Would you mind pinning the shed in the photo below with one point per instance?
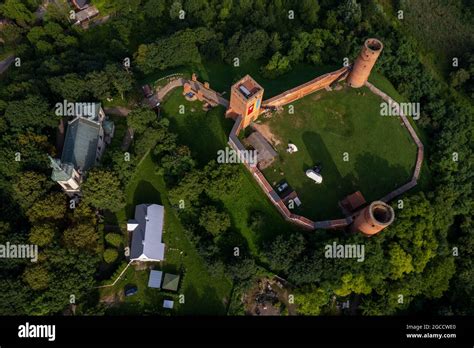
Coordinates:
(168, 304)
(171, 282)
(353, 201)
(265, 152)
(155, 279)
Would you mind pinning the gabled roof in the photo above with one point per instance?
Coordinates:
(148, 231)
(80, 146)
(86, 14)
(80, 4)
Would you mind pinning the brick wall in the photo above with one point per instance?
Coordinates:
(309, 87)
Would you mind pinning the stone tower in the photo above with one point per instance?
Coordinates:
(373, 218)
(364, 63)
(245, 100)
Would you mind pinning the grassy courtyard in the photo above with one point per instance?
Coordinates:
(326, 127)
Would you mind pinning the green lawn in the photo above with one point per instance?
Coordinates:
(204, 132)
(207, 132)
(383, 84)
(324, 126)
(204, 293)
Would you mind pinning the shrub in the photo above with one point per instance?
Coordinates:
(110, 255)
(114, 239)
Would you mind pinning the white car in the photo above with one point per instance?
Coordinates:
(317, 178)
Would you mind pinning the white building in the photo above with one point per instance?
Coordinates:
(147, 231)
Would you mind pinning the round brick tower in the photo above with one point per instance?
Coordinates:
(373, 218)
(364, 63)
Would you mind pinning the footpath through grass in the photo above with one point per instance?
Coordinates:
(205, 293)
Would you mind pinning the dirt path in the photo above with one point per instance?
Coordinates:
(265, 130)
(117, 111)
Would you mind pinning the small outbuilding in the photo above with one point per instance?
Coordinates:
(155, 279)
(86, 14)
(171, 282)
(265, 152)
(352, 202)
(168, 304)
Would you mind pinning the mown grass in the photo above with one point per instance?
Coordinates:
(383, 84)
(205, 293)
(327, 125)
(206, 133)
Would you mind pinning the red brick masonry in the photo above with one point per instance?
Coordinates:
(285, 98)
(295, 94)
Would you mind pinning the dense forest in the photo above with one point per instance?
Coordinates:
(426, 255)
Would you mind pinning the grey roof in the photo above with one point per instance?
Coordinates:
(265, 151)
(64, 174)
(155, 279)
(61, 171)
(168, 304)
(80, 146)
(87, 13)
(108, 126)
(81, 3)
(171, 282)
(146, 239)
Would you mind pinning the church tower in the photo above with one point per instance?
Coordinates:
(66, 176)
(245, 100)
(364, 63)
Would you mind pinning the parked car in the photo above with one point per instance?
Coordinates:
(282, 187)
(147, 91)
(131, 291)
